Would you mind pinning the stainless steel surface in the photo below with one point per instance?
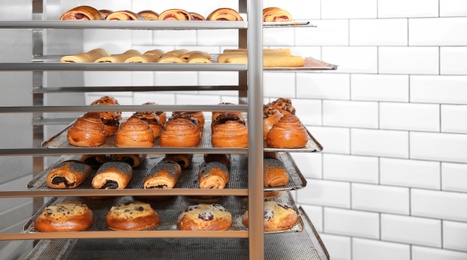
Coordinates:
(89, 89)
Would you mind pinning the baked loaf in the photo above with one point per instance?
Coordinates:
(111, 119)
(89, 56)
(180, 131)
(229, 130)
(122, 57)
(289, 132)
(224, 14)
(132, 215)
(87, 131)
(124, 15)
(277, 216)
(94, 160)
(222, 158)
(134, 160)
(197, 16)
(64, 217)
(276, 14)
(284, 105)
(270, 117)
(81, 13)
(68, 175)
(112, 175)
(184, 160)
(149, 15)
(213, 175)
(205, 217)
(134, 133)
(175, 14)
(275, 173)
(164, 175)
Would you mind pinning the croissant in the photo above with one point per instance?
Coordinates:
(184, 160)
(229, 130)
(180, 132)
(224, 14)
(152, 119)
(149, 15)
(134, 133)
(111, 119)
(276, 14)
(87, 131)
(222, 158)
(89, 56)
(274, 173)
(81, 13)
(289, 132)
(118, 57)
(124, 15)
(213, 175)
(68, 174)
(175, 14)
(163, 175)
(134, 160)
(197, 16)
(112, 175)
(94, 160)
(270, 117)
(284, 105)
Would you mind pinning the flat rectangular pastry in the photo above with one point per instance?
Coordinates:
(118, 57)
(112, 175)
(163, 175)
(269, 60)
(68, 174)
(89, 56)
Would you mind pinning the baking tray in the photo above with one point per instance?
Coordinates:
(189, 177)
(168, 209)
(306, 245)
(59, 140)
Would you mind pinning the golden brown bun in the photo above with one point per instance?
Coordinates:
(224, 14)
(229, 130)
(152, 119)
(270, 117)
(173, 56)
(122, 57)
(111, 119)
(213, 175)
(133, 215)
(134, 133)
(196, 57)
(184, 160)
(134, 160)
(196, 114)
(68, 175)
(89, 56)
(149, 15)
(180, 132)
(81, 13)
(197, 16)
(164, 175)
(276, 14)
(87, 131)
(289, 132)
(105, 13)
(94, 160)
(222, 158)
(205, 217)
(274, 173)
(112, 176)
(54, 219)
(124, 15)
(175, 14)
(277, 216)
(284, 105)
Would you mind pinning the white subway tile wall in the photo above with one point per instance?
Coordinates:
(390, 182)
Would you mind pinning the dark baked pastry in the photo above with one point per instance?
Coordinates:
(213, 175)
(87, 131)
(132, 215)
(184, 160)
(284, 105)
(275, 173)
(64, 217)
(94, 160)
(68, 174)
(134, 160)
(270, 117)
(112, 175)
(222, 158)
(205, 217)
(277, 216)
(163, 175)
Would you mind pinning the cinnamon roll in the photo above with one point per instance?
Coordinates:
(134, 133)
(87, 131)
(110, 119)
(289, 132)
(229, 130)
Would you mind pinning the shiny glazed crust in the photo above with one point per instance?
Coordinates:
(89, 56)
(112, 175)
(134, 133)
(289, 132)
(87, 131)
(270, 117)
(224, 14)
(118, 57)
(205, 217)
(274, 173)
(284, 105)
(276, 14)
(213, 175)
(163, 175)
(133, 215)
(64, 216)
(175, 14)
(228, 130)
(277, 216)
(124, 15)
(152, 119)
(111, 119)
(68, 175)
(81, 13)
(149, 15)
(184, 160)
(197, 16)
(180, 132)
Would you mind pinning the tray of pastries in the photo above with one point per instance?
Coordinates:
(110, 214)
(171, 171)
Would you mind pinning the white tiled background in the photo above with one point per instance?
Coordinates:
(392, 180)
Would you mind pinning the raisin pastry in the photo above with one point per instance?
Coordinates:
(110, 119)
(270, 117)
(205, 217)
(277, 216)
(132, 215)
(64, 217)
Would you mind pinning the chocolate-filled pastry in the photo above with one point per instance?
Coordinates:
(173, 56)
(289, 132)
(81, 13)
(270, 117)
(134, 133)
(87, 131)
(132, 215)
(180, 132)
(229, 130)
(224, 14)
(89, 56)
(215, 114)
(274, 173)
(118, 57)
(124, 15)
(284, 105)
(149, 15)
(64, 217)
(94, 160)
(134, 160)
(175, 14)
(222, 158)
(110, 119)
(164, 175)
(197, 16)
(148, 56)
(205, 217)
(184, 160)
(276, 14)
(213, 175)
(112, 175)
(277, 216)
(68, 174)
(152, 119)
(105, 13)
(196, 57)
